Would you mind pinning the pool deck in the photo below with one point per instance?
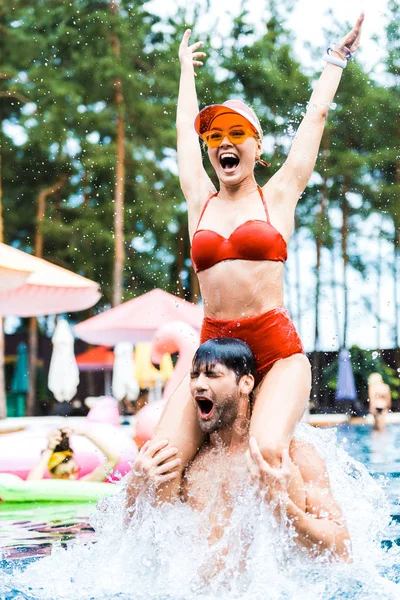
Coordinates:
(14, 424)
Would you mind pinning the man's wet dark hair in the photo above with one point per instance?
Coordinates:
(233, 353)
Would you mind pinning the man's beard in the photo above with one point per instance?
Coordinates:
(225, 414)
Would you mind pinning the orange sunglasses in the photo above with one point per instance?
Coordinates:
(236, 135)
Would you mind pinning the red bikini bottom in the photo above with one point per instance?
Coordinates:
(271, 336)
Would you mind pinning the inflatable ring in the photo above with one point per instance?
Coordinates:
(15, 489)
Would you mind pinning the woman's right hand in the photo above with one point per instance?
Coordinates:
(155, 463)
(188, 55)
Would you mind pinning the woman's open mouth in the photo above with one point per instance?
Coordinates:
(229, 162)
(206, 407)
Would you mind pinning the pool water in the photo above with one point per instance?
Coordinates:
(29, 532)
(379, 452)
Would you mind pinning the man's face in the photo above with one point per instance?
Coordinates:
(216, 394)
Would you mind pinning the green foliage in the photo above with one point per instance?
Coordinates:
(59, 71)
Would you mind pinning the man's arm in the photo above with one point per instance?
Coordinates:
(320, 527)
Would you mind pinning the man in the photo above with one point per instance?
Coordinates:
(221, 385)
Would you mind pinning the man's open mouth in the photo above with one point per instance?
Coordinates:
(229, 161)
(206, 407)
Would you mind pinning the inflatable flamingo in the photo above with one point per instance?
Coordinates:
(176, 336)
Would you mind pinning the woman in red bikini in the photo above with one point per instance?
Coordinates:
(239, 237)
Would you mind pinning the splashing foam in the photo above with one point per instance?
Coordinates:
(164, 556)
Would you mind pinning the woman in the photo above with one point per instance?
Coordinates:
(380, 400)
(239, 237)
(58, 458)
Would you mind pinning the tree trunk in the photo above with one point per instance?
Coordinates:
(119, 192)
(33, 325)
(378, 292)
(3, 397)
(319, 243)
(316, 376)
(335, 303)
(33, 358)
(319, 240)
(297, 271)
(180, 260)
(396, 223)
(345, 259)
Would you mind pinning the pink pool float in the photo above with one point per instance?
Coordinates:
(20, 451)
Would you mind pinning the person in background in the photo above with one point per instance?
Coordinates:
(58, 458)
(380, 400)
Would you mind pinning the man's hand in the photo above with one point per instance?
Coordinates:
(188, 55)
(273, 483)
(155, 463)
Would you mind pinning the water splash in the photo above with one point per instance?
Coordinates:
(164, 556)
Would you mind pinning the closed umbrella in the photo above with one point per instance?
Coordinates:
(346, 387)
(63, 373)
(124, 383)
(20, 381)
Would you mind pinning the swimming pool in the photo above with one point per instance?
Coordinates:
(28, 533)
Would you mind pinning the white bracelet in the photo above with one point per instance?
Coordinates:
(335, 61)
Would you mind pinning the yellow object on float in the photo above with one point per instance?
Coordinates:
(146, 374)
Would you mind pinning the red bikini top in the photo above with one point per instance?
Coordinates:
(253, 240)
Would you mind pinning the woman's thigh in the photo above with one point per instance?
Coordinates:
(179, 425)
(280, 401)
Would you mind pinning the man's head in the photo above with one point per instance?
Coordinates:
(221, 379)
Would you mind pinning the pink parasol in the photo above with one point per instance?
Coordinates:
(137, 320)
(100, 358)
(34, 287)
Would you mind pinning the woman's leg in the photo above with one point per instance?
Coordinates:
(280, 401)
(179, 425)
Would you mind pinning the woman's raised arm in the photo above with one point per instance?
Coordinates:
(297, 169)
(194, 180)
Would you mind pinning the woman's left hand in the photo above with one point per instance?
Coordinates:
(273, 483)
(351, 41)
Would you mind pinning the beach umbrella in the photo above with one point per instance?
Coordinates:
(12, 278)
(346, 387)
(20, 381)
(100, 358)
(137, 320)
(124, 383)
(63, 372)
(35, 287)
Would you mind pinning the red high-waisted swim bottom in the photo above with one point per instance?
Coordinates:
(271, 336)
